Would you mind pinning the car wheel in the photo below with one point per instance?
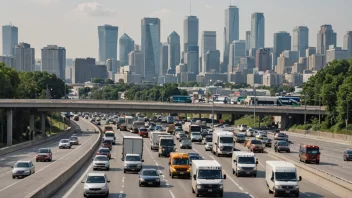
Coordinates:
(107, 194)
(36, 160)
(288, 151)
(124, 171)
(13, 177)
(221, 194)
(107, 169)
(84, 195)
(139, 183)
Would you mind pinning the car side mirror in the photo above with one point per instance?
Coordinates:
(194, 177)
(108, 181)
(142, 160)
(82, 181)
(169, 163)
(174, 144)
(224, 176)
(300, 178)
(256, 162)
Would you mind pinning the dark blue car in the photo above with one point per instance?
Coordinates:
(149, 177)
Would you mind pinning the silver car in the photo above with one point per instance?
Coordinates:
(186, 144)
(65, 143)
(22, 168)
(74, 140)
(101, 162)
(96, 184)
(208, 146)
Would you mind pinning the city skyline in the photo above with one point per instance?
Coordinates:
(84, 17)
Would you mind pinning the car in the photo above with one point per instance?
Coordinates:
(159, 128)
(44, 154)
(110, 136)
(347, 155)
(194, 156)
(186, 143)
(76, 118)
(143, 132)
(240, 137)
(266, 141)
(101, 162)
(106, 144)
(22, 169)
(242, 128)
(208, 146)
(208, 138)
(96, 184)
(149, 177)
(281, 145)
(280, 136)
(256, 145)
(178, 132)
(104, 151)
(250, 132)
(182, 137)
(65, 143)
(74, 140)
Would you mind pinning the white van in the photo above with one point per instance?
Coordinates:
(223, 143)
(281, 178)
(129, 122)
(244, 163)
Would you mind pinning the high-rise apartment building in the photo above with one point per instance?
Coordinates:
(300, 40)
(9, 40)
(325, 37)
(151, 47)
(126, 46)
(25, 57)
(190, 32)
(231, 30)
(54, 60)
(257, 31)
(347, 42)
(107, 42)
(212, 63)
(174, 51)
(282, 41)
(208, 44)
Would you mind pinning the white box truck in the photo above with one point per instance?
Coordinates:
(244, 163)
(281, 178)
(129, 122)
(223, 143)
(132, 145)
(154, 139)
(207, 178)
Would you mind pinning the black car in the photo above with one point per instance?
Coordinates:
(194, 156)
(347, 155)
(149, 177)
(182, 136)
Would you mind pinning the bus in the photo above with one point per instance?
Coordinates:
(181, 99)
(261, 100)
(289, 101)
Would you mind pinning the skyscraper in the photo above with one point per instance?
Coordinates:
(263, 60)
(248, 42)
(25, 57)
(300, 40)
(347, 42)
(257, 30)
(191, 31)
(135, 58)
(151, 47)
(212, 61)
(231, 30)
(325, 37)
(208, 43)
(107, 42)
(237, 51)
(54, 60)
(282, 41)
(9, 40)
(174, 51)
(164, 58)
(126, 46)
(193, 59)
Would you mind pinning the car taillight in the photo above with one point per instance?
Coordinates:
(98, 153)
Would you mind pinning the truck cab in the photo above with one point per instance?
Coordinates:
(223, 143)
(244, 164)
(309, 153)
(281, 178)
(179, 165)
(166, 145)
(132, 162)
(154, 139)
(196, 136)
(207, 178)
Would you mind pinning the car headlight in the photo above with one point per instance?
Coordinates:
(199, 186)
(220, 186)
(277, 186)
(239, 168)
(296, 186)
(103, 188)
(126, 165)
(141, 179)
(138, 165)
(157, 180)
(86, 188)
(107, 164)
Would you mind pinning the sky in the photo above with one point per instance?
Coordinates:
(73, 23)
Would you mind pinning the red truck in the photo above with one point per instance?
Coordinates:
(309, 153)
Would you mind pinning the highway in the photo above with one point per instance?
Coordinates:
(126, 185)
(44, 171)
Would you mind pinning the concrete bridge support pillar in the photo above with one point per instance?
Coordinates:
(31, 127)
(284, 122)
(233, 118)
(218, 116)
(43, 125)
(200, 115)
(9, 114)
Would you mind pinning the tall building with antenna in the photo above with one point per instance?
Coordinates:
(231, 30)
(9, 39)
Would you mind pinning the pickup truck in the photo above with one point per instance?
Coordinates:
(255, 145)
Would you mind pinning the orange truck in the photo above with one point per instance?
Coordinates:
(179, 165)
(108, 128)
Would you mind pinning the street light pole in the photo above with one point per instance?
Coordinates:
(212, 117)
(347, 119)
(255, 103)
(305, 109)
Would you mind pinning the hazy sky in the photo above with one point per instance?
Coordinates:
(73, 23)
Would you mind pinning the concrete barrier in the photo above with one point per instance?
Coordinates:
(27, 144)
(334, 184)
(323, 135)
(55, 184)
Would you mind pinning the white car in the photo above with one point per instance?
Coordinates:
(22, 169)
(250, 132)
(65, 143)
(101, 162)
(243, 128)
(96, 184)
(208, 146)
(110, 136)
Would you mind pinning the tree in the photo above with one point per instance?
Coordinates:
(9, 81)
(109, 81)
(98, 80)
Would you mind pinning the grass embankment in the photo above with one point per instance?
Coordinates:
(57, 122)
(317, 127)
(249, 121)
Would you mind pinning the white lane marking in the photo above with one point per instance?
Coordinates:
(305, 193)
(77, 182)
(44, 168)
(121, 194)
(123, 182)
(172, 194)
(212, 157)
(240, 188)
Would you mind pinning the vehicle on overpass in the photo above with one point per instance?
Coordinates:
(181, 99)
(281, 178)
(207, 178)
(244, 163)
(179, 165)
(309, 153)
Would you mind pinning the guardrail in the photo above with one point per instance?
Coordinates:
(23, 145)
(336, 185)
(55, 184)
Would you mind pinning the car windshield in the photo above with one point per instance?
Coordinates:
(209, 139)
(166, 142)
(179, 130)
(101, 158)
(43, 151)
(312, 150)
(186, 142)
(22, 165)
(285, 176)
(73, 138)
(209, 174)
(244, 126)
(109, 134)
(226, 140)
(194, 157)
(349, 152)
(64, 141)
(183, 135)
(256, 142)
(281, 135)
(108, 128)
(180, 161)
(95, 179)
(282, 144)
(104, 150)
(150, 173)
(133, 158)
(197, 133)
(246, 160)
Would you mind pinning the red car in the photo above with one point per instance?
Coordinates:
(143, 132)
(44, 154)
(104, 151)
(106, 144)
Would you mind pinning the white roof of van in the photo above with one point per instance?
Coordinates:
(243, 153)
(206, 163)
(132, 137)
(282, 166)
